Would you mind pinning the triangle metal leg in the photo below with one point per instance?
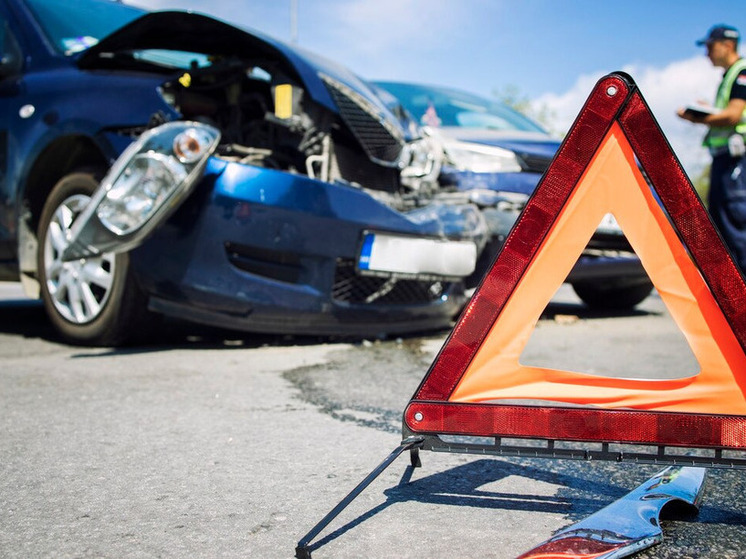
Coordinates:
(302, 550)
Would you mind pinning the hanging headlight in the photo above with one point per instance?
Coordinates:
(146, 183)
(139, 191)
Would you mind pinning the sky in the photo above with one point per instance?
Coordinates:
(550, 52)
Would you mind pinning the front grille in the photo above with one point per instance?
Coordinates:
(381, 141)
(356, 168)
(534, 163)
(350, 287)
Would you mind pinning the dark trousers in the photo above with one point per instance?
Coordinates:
(727, 203)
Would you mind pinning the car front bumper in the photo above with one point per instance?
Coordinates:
(267, 251)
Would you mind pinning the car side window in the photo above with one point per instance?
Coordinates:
(10, 57)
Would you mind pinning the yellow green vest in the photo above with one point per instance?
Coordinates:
(717, 137)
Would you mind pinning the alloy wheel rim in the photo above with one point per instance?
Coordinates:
(78, 289)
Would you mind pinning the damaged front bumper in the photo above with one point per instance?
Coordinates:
(256, 249)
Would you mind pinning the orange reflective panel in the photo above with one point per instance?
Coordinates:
(612, 183)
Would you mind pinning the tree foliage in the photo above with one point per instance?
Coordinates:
(702, 183)
(512, 96)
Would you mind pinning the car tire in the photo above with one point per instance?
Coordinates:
(91, 301)
(609, 296)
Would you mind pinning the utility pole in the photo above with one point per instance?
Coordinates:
(294, 21)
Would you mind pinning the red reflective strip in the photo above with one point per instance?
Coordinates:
(687, 212)
(577, 547)
(577, 424)
(541, 211)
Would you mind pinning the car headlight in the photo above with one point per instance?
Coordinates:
(151, 171)
(148, 182)
(477, 158)
(420, 162)
(141, 188)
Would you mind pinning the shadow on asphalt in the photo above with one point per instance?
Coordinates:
(583, 490)
(464, 486)
(26, 318)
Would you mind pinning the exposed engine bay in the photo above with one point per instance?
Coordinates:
(266, 119)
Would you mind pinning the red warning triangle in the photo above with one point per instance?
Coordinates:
(474, 383)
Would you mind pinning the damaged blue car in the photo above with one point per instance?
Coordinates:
(170, 164)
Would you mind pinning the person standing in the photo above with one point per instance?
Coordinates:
(725, 140)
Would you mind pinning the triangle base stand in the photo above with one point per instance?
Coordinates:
(587, 451)
(595, 529)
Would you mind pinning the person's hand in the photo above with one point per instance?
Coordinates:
(689, 115)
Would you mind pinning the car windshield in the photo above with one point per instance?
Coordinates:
(438, 106)
(73, 26)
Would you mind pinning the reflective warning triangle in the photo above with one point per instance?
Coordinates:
(477, 386)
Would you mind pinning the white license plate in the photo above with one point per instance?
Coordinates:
(416, 256)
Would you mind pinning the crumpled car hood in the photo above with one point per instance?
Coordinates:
(191, 32)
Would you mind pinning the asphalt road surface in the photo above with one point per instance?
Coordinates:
(212, 444)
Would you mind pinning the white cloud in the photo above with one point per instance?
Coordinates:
(392, 39)
(665, 89)
(376, 38)
(383, 25)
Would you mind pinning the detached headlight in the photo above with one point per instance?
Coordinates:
(467, 156)
(148, 181)
(141, 188)
(151, 171)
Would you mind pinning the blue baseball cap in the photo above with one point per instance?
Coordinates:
(720, 33)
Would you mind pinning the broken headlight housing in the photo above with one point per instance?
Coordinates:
(142, 188)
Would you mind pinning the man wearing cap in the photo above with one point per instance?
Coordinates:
(725, 139)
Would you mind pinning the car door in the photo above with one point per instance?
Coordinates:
(11, 63)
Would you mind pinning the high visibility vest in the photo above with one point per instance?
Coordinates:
(717, 137)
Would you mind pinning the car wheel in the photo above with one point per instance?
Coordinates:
(610, 296)
(91, 300)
